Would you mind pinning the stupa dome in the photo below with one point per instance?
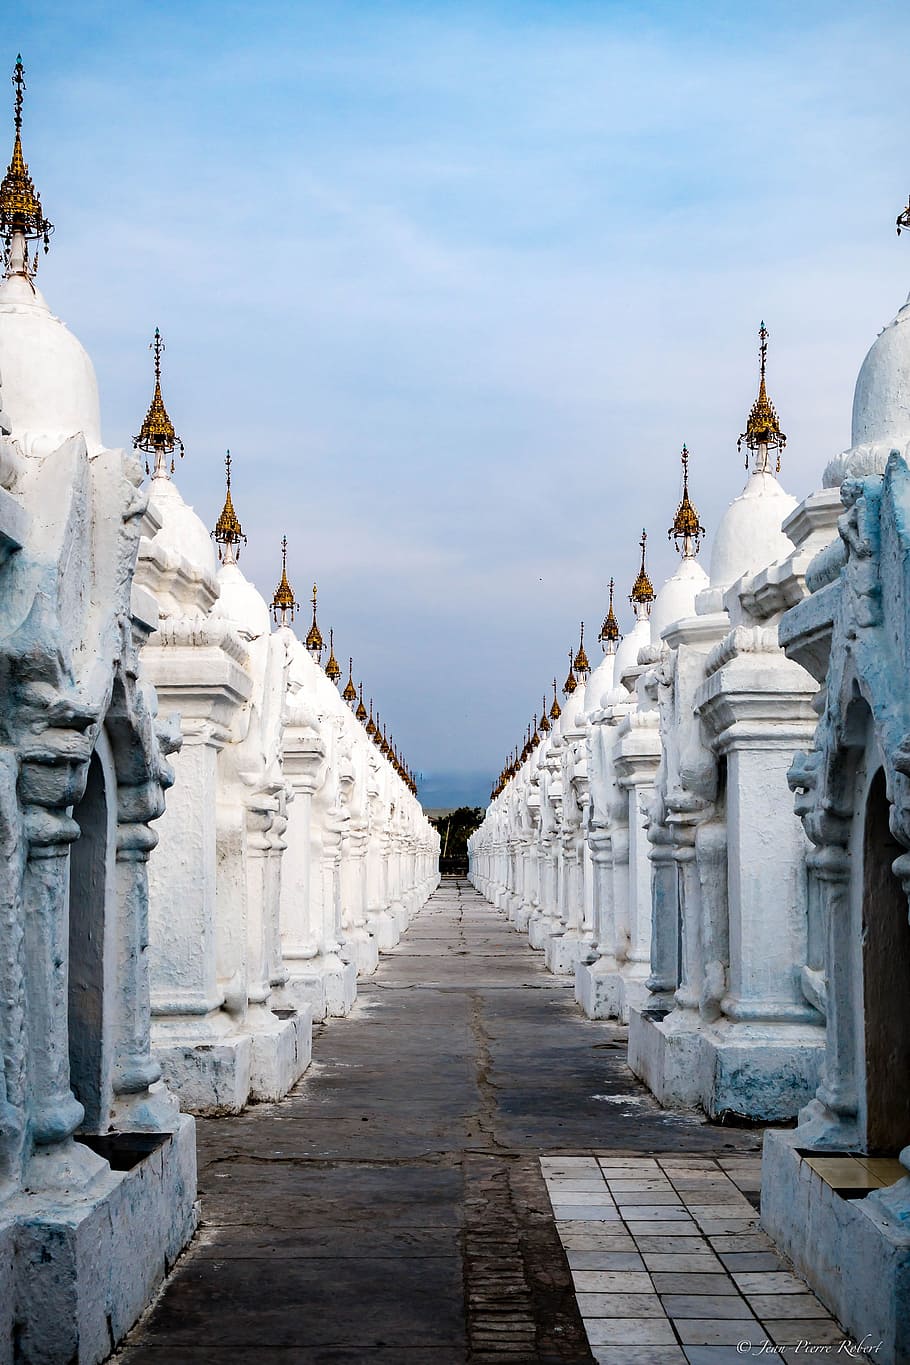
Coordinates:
(182, 531)
(881, 400)
(676, 598)
(600, 683)
(50, 392)
(627, 654)
(241, 603)
(749, 535)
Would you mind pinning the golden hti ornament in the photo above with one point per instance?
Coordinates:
(157, 435)
(283, 604)
(228, 532)
(555, 709)
(361, 712)
(610, 635)
(903, 219)
(762, 433)
(350, 691)
(642, 594)
(570, 683)
(332, 671)
(580, 663)
(314, 641)
(686, 531)
(21, 214)
(544, 718)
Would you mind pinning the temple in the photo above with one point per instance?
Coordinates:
(204, 842)
(209, 838)
(737, 769)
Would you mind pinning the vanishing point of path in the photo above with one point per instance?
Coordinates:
(391, 1210)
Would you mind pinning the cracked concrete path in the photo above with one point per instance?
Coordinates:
(391, 1210)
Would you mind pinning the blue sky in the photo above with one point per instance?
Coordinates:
(455, 282)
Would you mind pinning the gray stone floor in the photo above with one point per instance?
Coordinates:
(393, 1207)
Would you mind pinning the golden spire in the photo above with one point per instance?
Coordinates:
(371, 725)
(555, 709)
(157, 436)
(762, 433)
(314, 641)
(610, 633)
(283, 604)
(686, 531)
(377, 734)
(332, 671)
(228, 532)
(544, 718)
(570, 683)
(361, 712)
(527, 748)
(535, 737)
(642, 594)
(21, 214)
(903, 219)
(384, 743)
(350, 691)
(581, 665)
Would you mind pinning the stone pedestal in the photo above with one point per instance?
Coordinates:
(854, 1253)
(81, 1265)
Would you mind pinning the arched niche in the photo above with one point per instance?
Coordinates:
(91, 974)
(886, 979)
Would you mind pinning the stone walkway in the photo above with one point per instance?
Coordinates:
(392, 1210)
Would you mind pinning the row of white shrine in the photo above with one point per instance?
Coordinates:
(202, 843)
(712, 835)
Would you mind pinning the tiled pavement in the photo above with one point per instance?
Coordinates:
(392, 1210)
(670, 1266)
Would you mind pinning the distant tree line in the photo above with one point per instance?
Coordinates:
(455, 829)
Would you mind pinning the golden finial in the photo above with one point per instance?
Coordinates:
(762, 433)
(314, 641)
(686, 531)
(283, 604)
(361, 712)
(555, 709)
(581, 665)
(371, 724)
(350, 691)
(535, 736)
(903, 219)
(332, 671)
(21, 214)
(384, 743)
(610, 634)
(377, 737)
(157, 436)
(228, 532)
(570, 683)
(642, 594)
(544, 718)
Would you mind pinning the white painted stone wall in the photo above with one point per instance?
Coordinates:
(83, 770)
